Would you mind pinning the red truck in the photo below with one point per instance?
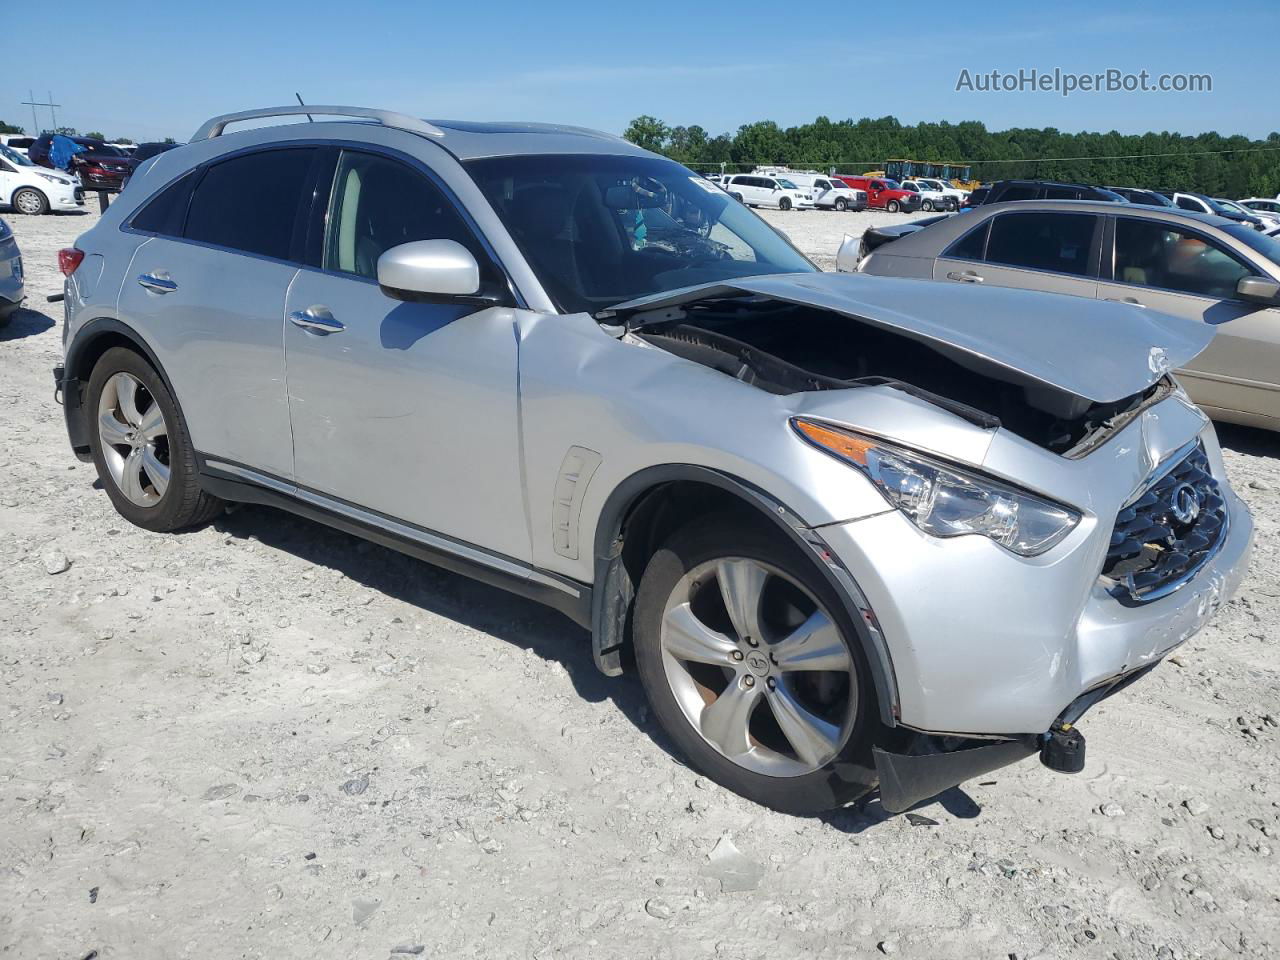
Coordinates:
(884, 194)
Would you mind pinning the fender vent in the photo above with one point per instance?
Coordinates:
(571, 485)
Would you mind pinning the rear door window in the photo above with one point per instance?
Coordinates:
(971, 246)
(251, 202)
(1152, 254)
(1058, 242)
(164, 213)
(1019, 192)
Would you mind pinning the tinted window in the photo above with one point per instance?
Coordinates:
(1154, 255)
(1061, 193)
(379, 204)
(250, 202)
(1187, 203)
(1042, 241)
(1019, 192)
(165, 212)
(971, 245)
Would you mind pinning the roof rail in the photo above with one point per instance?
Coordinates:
(388, 118)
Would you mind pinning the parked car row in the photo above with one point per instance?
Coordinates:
(564, 365)
(30, 184)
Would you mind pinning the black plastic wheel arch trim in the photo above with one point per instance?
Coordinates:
(611, 600)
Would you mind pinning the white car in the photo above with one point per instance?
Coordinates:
(756, 190)
(1262, 205)
(1269, 219)
(827, 193)
(16, 141)
(34, 190)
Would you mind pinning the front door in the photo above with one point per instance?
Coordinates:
(1186, 273)
(405, 409)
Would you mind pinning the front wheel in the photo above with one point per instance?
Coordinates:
(842, 204)
(893, 206)
(753, 668)
(30, 201)
(141, 448)
(927, 206)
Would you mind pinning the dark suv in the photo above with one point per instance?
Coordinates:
(1004, 190)
(1147, 198)
(101, 167)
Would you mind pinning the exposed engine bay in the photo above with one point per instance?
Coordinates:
(788, 348)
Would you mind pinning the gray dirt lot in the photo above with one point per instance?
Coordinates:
(265, 739)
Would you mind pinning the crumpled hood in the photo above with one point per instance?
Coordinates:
(1100, 350)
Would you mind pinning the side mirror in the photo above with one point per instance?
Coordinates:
(429, 270)
(1259, 290)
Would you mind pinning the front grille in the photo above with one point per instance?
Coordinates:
(1167, 534)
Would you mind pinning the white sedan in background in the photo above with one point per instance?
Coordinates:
(34, 190)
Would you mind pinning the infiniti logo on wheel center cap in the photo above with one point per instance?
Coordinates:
(757, 663)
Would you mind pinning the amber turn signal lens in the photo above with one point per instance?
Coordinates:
(838, 442)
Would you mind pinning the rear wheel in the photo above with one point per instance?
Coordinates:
(893, 206)
(753, 669)
(30, 201)
(784, 203)
(736, 196)
(141, 448)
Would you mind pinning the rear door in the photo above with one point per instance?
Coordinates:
(1188, 273)
(208, 291)
(408, 410)
(1037, 250)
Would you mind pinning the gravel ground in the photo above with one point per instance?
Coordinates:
(265, 739)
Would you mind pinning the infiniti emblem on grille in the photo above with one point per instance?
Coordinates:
(1186, 503)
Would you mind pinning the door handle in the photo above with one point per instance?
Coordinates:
(317, 319)
(965, 276)
(1132, 301)
(158, 282)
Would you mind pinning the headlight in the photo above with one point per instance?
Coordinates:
(947, 501)
(50, 177)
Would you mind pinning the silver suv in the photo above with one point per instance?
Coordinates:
(850, 529)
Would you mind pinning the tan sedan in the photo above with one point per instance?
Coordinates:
(1198, 266)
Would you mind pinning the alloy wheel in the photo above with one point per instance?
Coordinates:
(758, 667)
(135, 439)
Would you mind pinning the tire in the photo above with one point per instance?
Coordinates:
(132, 453)
(832, 712)
(736, 196)
(841, 204)
(30, 201)
(784, 203)
(893, 206)
(927, 206)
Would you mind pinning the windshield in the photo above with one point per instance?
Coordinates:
(14, 157)
(598, 230)
(891, 185)
(1233, 207)
(787, 184)
(1269, 247)
(103, 149)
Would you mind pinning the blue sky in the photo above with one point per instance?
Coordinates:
(159, 69)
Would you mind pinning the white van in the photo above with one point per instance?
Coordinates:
(755, 190)
(16, 141)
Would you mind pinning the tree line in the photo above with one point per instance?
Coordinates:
(1222, 166)
(71, 132)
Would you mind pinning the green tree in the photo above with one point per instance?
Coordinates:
(95, 135)
(648, 132)
(10, 128)
(125, 140)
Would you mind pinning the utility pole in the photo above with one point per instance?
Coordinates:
(35, 119)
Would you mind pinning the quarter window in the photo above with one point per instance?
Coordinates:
(1043, 241)
(1151, 254)
(251, 202)
(379, 204)
(165, 212)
